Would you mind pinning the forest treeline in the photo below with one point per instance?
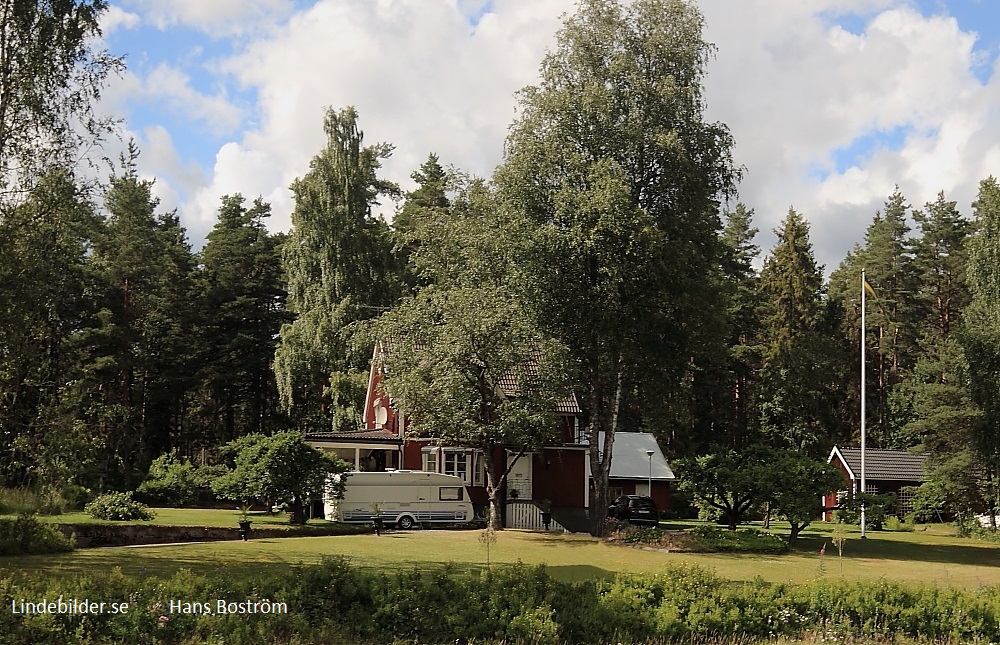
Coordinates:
(611, 233)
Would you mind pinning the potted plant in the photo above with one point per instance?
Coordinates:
(245, 521)
(546, 506)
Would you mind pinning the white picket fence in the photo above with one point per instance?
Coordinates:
(527, 515)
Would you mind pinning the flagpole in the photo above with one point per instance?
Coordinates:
(863, 285)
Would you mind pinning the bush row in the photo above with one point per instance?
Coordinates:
(25, 535)
(713, 538)
(335, 602)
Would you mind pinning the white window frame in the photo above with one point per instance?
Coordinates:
(456, 462)
(478, 468)
(431, 461)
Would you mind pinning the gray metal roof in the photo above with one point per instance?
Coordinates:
(630, 461)
(889, 465)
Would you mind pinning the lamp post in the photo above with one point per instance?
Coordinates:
(649, 482)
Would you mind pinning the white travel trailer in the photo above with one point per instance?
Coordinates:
(404, 498)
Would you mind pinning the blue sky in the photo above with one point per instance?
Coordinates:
(832, 102)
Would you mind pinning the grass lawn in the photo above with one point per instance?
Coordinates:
(932, 555)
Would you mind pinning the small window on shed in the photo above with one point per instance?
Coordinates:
(451, 494)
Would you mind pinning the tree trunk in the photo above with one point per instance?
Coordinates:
(493, 486)
(600, 464)
(298, 512)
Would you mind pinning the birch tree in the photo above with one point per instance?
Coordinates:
(339, 264)
(613, 163)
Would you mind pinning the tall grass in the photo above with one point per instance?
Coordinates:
(18, 501)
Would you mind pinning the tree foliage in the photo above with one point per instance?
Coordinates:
(613, 164)
(800, 379)
(51, 76)
(733, 483)
(241, 297)
(462, 359)
(795, 483)
(980, 334)
(280, 468)
(338, 262)
(140, 347)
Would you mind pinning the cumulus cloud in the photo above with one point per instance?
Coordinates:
(796, 88)
(421, 74)
(809, 91)
(215, 18)
(167, 83)
(116, 18)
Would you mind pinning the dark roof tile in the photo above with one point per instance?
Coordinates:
(891, 465)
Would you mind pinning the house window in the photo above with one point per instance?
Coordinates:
(431, 461)
(478, 469)
(457, 463)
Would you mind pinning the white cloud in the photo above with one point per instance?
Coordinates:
(216, 18)
(169, 84)
(419, 74)
(794, 88)
(117, 18)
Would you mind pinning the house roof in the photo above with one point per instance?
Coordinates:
(510, 383)
(890, 465)
(629, 458)
(379, 436)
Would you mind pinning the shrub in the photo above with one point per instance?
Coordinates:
(892, 523)
(711, 538)
(25, 535)
(174, 482)
(170, 481)
(118, 507)
(336, 602)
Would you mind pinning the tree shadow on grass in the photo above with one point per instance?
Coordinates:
(979, 554)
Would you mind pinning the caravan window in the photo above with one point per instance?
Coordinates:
(451, 494)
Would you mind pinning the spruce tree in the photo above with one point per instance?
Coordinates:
(800, 379)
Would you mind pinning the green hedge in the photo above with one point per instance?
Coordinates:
(25, 535)
(335, 602)
(713, 538)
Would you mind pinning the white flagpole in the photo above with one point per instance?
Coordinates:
(863, 400)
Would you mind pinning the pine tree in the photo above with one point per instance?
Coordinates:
(141, 353)
(45, 308)
(940, 256)
(744, 305)
(242, 301)
(980, 333)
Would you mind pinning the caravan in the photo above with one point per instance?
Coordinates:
(402, 498)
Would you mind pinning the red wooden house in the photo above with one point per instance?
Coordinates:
(558, 473)
(886, 472)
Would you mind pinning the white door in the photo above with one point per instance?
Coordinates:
(519, 479)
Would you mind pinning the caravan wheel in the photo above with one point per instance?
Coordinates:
(405, 523)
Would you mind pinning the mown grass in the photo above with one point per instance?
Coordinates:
(934, 556)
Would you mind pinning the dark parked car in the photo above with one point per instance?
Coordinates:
(635, 509)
